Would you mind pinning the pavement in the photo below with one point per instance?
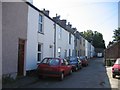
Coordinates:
(114, 82)
(21, 82)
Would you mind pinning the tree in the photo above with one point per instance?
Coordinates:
(110, 43)
(116, 34)
(95, 38)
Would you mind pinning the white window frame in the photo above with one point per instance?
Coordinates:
(59, 51)
(65, 54)
(40, 52)
(40, 24)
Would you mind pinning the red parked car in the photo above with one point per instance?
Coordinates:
(116, 68)
(84, 60)
(54, 67)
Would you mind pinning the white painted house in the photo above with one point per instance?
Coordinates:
(64, 42)
(92, 50)
(45, 38)
(32, 42)
(40, 37)
(87, 49)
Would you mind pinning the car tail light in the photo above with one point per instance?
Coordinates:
(56, 69)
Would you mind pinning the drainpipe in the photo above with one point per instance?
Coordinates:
(54, 40)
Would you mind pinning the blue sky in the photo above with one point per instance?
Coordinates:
(101, 15)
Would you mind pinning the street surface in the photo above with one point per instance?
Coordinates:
(92, 76)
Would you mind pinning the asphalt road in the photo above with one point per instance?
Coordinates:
(92, 76)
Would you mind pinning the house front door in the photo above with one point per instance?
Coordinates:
(21, 50)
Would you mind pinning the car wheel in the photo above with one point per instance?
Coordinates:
(61, 76)
(76, 68)
(40, 76)
(81, 67)
(70, 72)
(113, 75)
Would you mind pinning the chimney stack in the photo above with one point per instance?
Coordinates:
(46, 12)
(69, 25)
(63, 22)
(57, 18)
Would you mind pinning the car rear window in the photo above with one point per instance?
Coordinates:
(54, 62)
(117, 61)
(73, 58)
(82, 58)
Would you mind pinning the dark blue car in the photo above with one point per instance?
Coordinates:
(75, 63)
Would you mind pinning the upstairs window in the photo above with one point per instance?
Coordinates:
(40, 24)
(80, 40)
(60, 33)
(69, 38)
(83, 42)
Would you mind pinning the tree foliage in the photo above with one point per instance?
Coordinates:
(116, 34)
(95, 38)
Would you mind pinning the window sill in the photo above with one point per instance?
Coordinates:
(41, 33)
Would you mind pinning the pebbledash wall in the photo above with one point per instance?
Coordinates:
(14, 27)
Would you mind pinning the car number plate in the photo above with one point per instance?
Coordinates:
(116, 69)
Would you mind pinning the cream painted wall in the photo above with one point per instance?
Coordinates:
(82, 47)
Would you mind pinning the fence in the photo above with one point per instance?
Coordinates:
(112, 53)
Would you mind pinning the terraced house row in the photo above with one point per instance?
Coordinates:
(30, 34)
